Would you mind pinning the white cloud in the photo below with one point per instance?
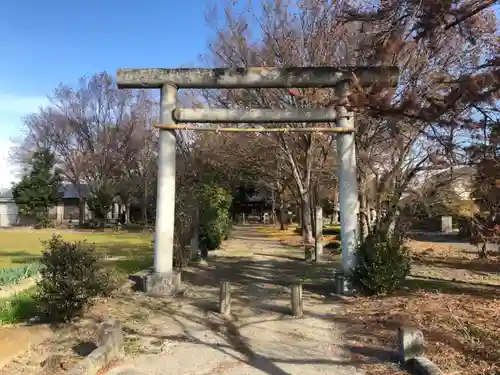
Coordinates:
(12, 109)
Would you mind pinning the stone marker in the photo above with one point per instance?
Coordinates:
(297, 303)
(410, 343)
(446, 224)
(225, 298)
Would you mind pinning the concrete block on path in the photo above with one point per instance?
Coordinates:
(157, 284)
(110, 348)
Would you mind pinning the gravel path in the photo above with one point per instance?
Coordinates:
(260, 337)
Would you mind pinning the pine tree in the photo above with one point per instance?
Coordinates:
(40, 188)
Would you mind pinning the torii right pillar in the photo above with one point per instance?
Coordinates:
(348, 189)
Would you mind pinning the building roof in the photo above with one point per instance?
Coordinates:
(6, 196)
(69, 192)
(6, 193)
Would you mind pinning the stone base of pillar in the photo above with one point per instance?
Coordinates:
(162, 284)
(157, 284)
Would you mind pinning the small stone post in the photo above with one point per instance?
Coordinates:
(446, 224)
(297, 303)
(410, 343)
(309, 252)
(225, 298)
(318, 245)
(340, 283)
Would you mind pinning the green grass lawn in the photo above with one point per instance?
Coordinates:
(19, 307)
(19, 247)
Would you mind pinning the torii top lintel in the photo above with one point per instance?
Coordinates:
(254, 77)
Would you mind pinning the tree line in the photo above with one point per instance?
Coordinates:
(442, 115)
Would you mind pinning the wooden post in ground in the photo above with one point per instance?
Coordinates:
(225, 298)
(297, 304)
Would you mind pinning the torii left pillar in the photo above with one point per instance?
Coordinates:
(164, 280)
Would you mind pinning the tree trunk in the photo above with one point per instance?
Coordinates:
(194, 244)
(81, 210)
(307, 232)
(145, 204)
(273, 208)
(312, 204)
(300, 217)
(363, 216)
(282, 212)
(127, 213)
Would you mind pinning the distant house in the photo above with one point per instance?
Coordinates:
(8, 209)
(67, 209)
(459, 181)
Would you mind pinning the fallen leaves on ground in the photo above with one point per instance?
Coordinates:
(461, 332)
(453, 298)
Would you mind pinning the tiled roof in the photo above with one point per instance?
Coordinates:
(70, 191)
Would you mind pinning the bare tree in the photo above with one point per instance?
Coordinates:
(88, 128)
(447, 58)
(286, 35)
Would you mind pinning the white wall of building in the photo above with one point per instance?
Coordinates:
(8, 214)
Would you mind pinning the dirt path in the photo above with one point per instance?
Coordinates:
(184, 335)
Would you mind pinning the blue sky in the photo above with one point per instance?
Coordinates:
(44, 43)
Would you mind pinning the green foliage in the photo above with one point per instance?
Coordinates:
(382, 264)
(9, 276)
(215, 222)
(20, 307)
(100, 200)
(43, 221)
(71, 279)
(40, 187)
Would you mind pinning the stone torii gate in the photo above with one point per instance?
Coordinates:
(164, 279)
